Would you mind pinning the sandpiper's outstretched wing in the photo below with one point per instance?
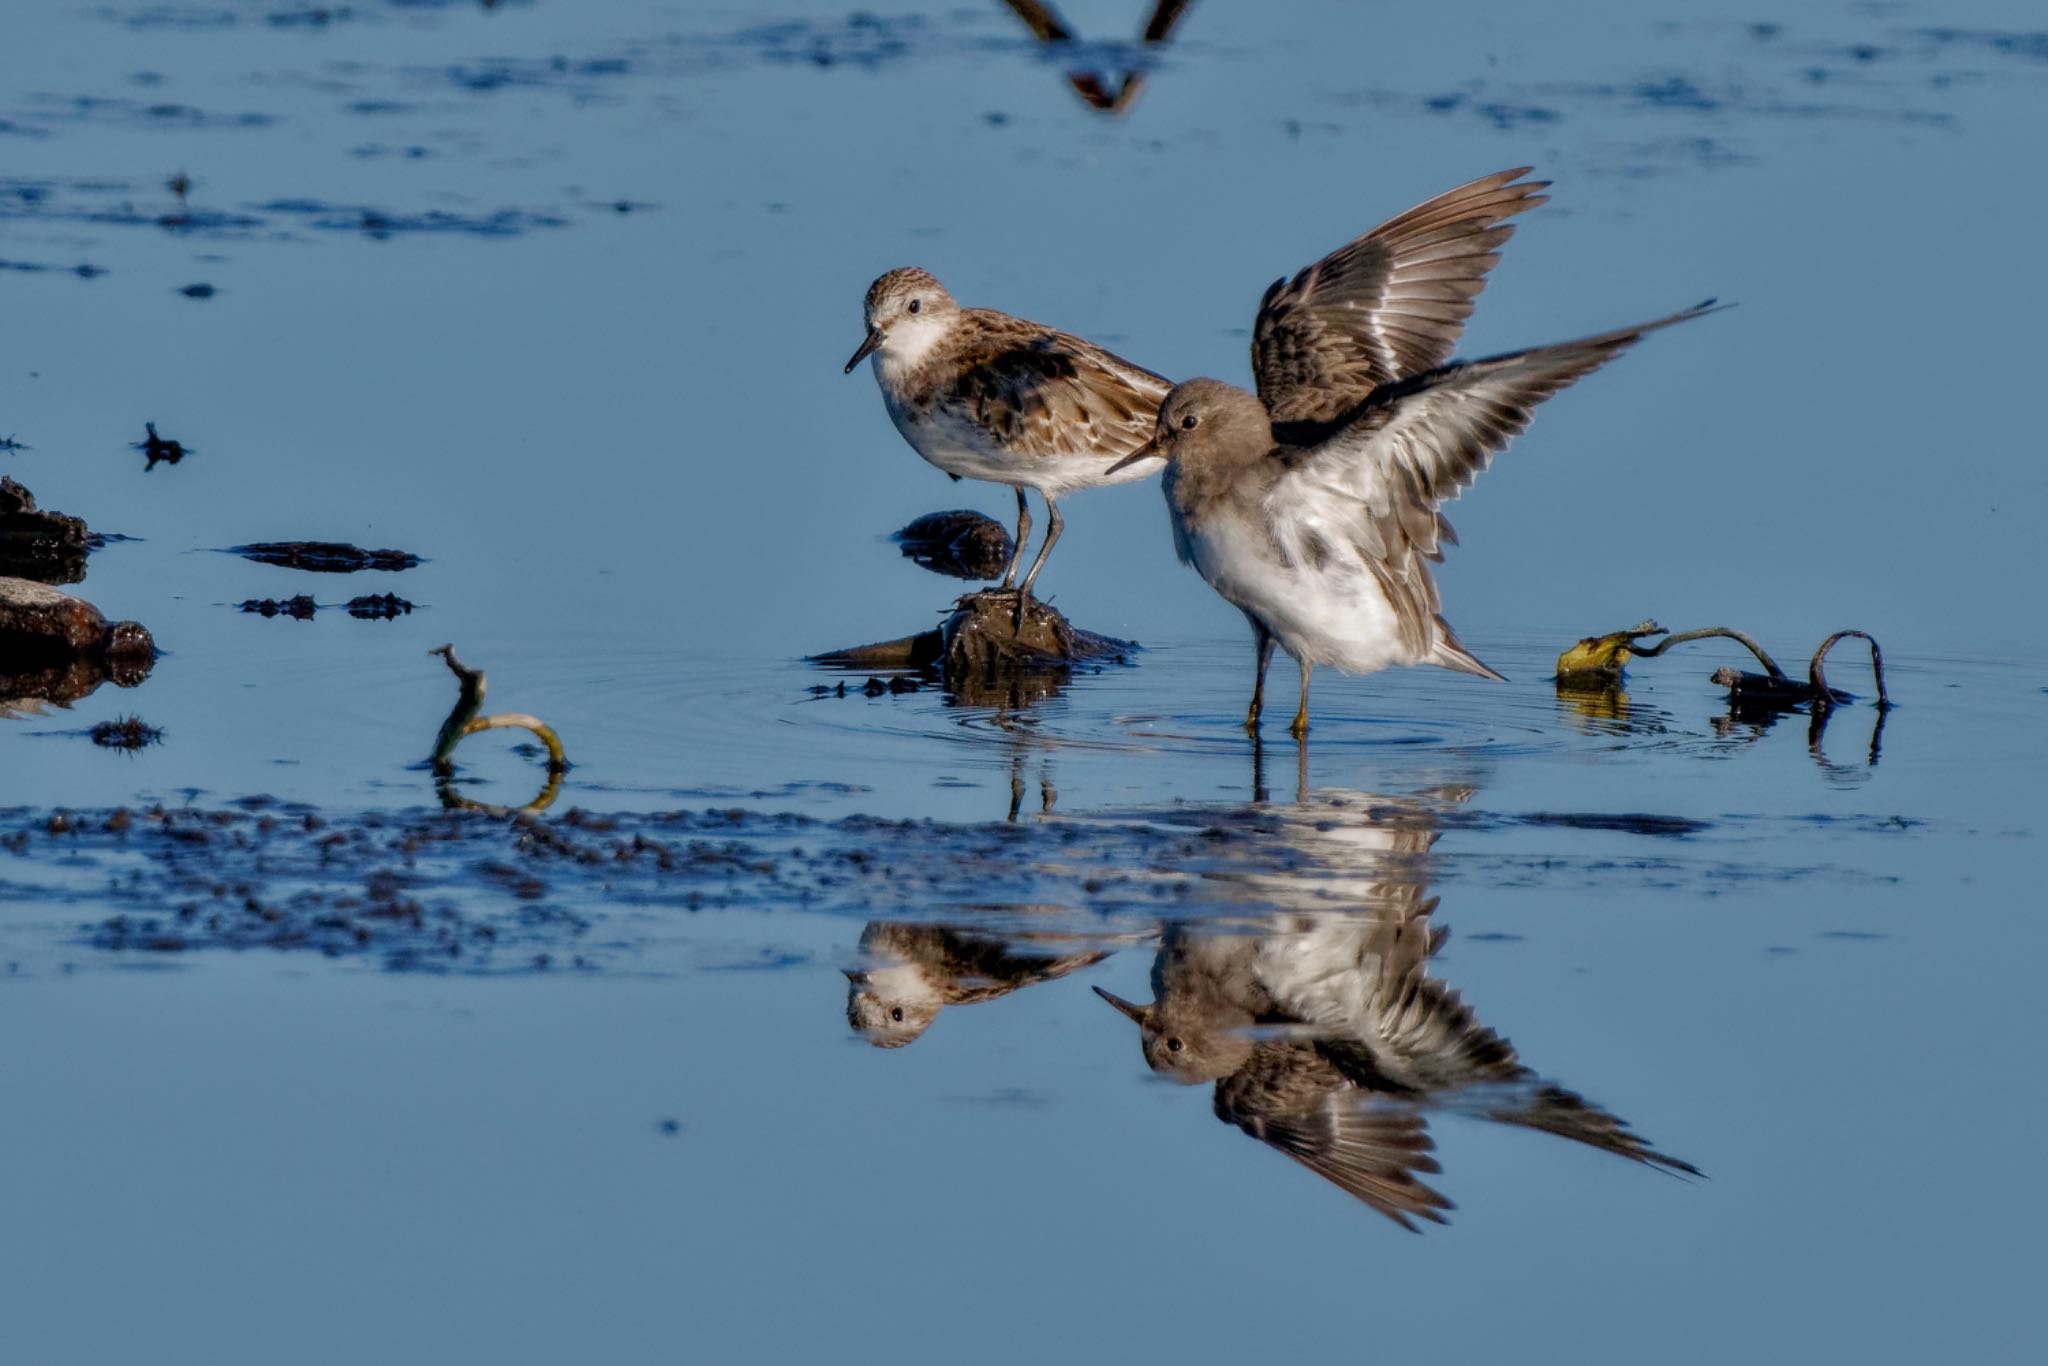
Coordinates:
(1291, 1099)
(1536, 1104)
(1374, 477)
(1386, 306)
(1038, 391)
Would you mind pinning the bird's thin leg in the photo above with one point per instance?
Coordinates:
(1262, 641)
(1023, 537)
(1053, 524)
(1300, 726)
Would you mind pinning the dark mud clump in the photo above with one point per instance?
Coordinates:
(983, 656)
(300, 608)
(46, 546)
(962, 543)
(57, 648)
(158, 449)
(378, 606)
(129, 732)
(324, 557)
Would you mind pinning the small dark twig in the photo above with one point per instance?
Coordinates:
(1770, 665)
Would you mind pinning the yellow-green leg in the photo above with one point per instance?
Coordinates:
(1300, 726)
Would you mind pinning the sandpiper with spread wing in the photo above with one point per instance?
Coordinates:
(1312, 506)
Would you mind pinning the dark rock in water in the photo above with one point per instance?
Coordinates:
(130, 732)
(158, 449)
(57, 648)
(378, 606)
(982, 657)
(962, 543)
(46, 546)
(300, 608)
(324, 557)
(202, 290)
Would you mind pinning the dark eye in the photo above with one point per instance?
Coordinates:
(916, 304)
(1190, 422)
(1173, 1045)
(897, 1014)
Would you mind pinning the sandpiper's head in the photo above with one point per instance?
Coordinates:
(907, 310)
(1206, 417)
(1177, 1048)
(888, 1014)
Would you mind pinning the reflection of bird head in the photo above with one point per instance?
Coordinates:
(1180, 1045)
(885, 1017)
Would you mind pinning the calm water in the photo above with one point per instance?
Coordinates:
(556, 296)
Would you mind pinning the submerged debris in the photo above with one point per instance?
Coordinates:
(57, 648)
(300, 608)
(47, 546)
(8, 443)
(378, 606)
(463, 721)
(324, 557)
(201, 290)
(129, 732)
(962, 543)
(1598, 661)
(982, 656)
(158, 449)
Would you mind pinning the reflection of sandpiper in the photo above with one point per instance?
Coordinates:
(1323, 1031)
(1328, 1041)
(913, 972)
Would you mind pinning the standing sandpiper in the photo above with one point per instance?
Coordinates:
(983, 395)
(1312, 506)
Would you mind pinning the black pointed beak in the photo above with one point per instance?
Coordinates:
(1147, 451)
(1134, 1013)
(867, 348)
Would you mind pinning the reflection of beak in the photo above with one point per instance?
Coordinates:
(1135, 1014)
(867, 348)
(1148, 451)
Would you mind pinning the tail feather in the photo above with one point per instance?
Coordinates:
(1449, 653)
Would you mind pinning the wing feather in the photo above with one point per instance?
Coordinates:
(1386, 306)
(1042, 392)
(1375, 476)
(1368, 1146)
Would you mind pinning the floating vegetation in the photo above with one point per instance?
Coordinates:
(463, 722)
(49, 547)
(129, 732)
(1599, 661)
(158, 449)
(300, 608)
(378, 606)
(324, 557)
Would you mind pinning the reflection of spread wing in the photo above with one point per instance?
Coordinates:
(1290, 1098)
(1386, 306)
(1043, 393)
(1554, 1110)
